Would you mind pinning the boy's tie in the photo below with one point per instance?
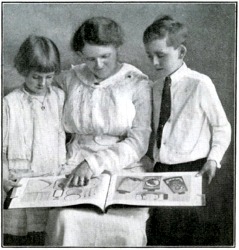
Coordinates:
(165, 109)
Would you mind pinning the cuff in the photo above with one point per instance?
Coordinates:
(94, 166)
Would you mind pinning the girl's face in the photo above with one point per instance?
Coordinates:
(37, 83)
(102, 60)
(166, 59)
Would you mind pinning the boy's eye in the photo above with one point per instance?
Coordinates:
(105, 56)
(160, 56)
(90, 59)
(49, 77)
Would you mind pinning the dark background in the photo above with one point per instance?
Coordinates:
(211, 50)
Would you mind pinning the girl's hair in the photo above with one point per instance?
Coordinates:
(165, 26)
(98, 31)
(37, 53)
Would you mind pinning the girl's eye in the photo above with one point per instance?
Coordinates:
(35, 77)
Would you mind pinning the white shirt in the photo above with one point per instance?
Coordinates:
(198, 126)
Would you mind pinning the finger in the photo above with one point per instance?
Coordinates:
(209, 179)
(86, 181)
(7, 189)
(14, 184)
(75, 181)
(81, 181)
(68, 181)
(200, 173)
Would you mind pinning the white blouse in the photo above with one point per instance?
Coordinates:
(33, 139)
(110, 120)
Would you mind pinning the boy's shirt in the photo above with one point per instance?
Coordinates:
(198, 126)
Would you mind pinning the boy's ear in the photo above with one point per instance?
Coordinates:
(182, 51)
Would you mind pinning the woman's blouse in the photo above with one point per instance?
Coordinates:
(114, 114)
(33, 137)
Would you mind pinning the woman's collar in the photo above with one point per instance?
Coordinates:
(86, 76)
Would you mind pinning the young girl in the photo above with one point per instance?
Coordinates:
(33, 137)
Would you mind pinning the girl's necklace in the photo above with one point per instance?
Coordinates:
(43, 107)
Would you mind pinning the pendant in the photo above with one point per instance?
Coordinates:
(43, 107)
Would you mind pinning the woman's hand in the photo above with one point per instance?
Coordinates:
(80, 176)
(8, 185)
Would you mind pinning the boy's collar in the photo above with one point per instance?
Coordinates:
(180, 72)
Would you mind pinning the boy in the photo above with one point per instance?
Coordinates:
(191, 130)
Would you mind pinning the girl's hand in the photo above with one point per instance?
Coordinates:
(80, 176)
(8, 185)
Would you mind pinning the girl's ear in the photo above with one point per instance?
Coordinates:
(182, 51)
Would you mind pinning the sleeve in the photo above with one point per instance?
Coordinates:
(152, 134)
(61, 80)
(135, 145)
(220, 127)
(5, 124)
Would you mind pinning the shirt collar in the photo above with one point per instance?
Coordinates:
(179, 73)
(28, 95)
(84, 74)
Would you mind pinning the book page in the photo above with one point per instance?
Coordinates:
(49, 192)
(156, 189)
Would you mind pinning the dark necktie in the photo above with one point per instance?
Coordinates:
(165, 109)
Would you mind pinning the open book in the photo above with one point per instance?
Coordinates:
(136, 189)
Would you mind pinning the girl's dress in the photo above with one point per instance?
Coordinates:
(110, 126)
(33, 145)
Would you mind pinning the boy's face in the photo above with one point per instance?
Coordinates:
(166, 59)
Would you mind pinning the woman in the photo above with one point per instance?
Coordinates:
(107, 111)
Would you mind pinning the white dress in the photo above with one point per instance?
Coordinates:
(110, 123)
(33, 144)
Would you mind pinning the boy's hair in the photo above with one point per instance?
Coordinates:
(98, 31)
(165, 26)
(37, 53)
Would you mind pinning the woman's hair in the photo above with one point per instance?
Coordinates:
(37, 53)
(98, 31)
(165, 26)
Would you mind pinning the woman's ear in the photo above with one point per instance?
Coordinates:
(182, 51)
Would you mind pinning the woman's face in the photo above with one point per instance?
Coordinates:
(102, 60)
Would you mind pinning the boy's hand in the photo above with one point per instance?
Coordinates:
(209, 168)
(80, 176)
(8, 185)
